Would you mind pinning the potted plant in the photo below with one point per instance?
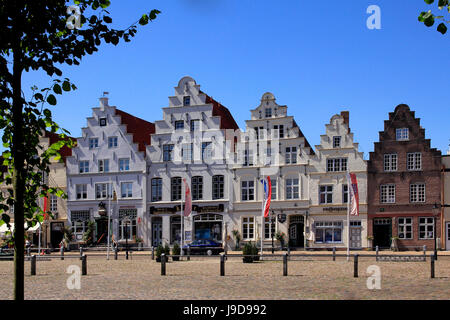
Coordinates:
(370, 242)
(167, 251)
(255, 252)
(88, 236)
(280, 236)
(237, 238)
(176, 250)
(247, 251)
(67, 237)
(159, 252)
(394, 243)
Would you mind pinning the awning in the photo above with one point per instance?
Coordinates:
(4, 228)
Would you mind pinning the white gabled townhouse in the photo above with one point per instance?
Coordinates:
(337, 154)
(191, 142)
(273, 145)
(109, 158)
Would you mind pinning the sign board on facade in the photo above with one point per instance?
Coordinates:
(206, 209)
(281, 217)
(335, 209)
(188, 235)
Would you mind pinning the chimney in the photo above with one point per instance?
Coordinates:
(104, 101)
(346, 116)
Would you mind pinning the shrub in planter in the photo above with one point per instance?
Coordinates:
(247, 250)
(159, 252)
(176, 252)
(166, 250)
(255, 252)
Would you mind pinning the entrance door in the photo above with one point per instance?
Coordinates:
(296, 237)
(56, 233)
(102, 231)
(447, 244)
(355, 237)
(157, 233)
(382, 232)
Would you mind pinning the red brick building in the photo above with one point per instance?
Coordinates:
(404, 182)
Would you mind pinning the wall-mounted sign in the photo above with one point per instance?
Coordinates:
(281, 217)
(163, 210)
(335, 209)
(206, 209)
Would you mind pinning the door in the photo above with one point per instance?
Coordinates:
(382, 232)
(447, 244)
(296, 237)
(102, 231)
(355, 237)
(56, 233)
(157, 233)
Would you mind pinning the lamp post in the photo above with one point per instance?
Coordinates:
(436, 211)
(126, 239)
(272, 220)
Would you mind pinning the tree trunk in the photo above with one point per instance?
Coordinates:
(18, 179)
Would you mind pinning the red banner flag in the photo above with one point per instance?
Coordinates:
(353, 194)
(188, 200)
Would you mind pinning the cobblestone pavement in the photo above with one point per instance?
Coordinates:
(308, 278)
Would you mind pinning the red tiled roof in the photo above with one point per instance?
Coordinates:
(226, 119)
(64, 151)
(139, 128)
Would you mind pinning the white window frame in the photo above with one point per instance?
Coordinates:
(127, 194)
(292, 189)
(105, 192)
(326, 192)
(83, 166)
(187, 151)
(291, 155)
(322, 226)
(405, 223)
(387, 193)
(81, 189)
(402, 134)
(53, 203)
(417, 192)
(337, 141)
(103, 165)
(414, 161)
(390, 162)
(337, 164)
(124, 164)
(274, 189)
(249, 186)
(426, 223)
(248, 228)
(112, 142)
(267, 228)
(93, 143)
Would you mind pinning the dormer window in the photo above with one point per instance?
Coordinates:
(402, 134)
(102, 122)
(186, 101)
(268, 112)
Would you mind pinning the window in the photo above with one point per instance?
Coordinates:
(390, 162)
(186, 101)
(325, 194)
(269, 228)
(124, 164)
(414, 161)
(402, 134)
(84, 166)
(93, 143)
(248, 228)
(218, 187)
(81, 190)
(167, 152)
(179, 125)
(387, 193)
(278, 131)
(53, 203)
(175, 188)
(197, 188)
(103, 165)
(156, 189)
(112, 142)
(195, 125)
(337, 142)
(248, 190)
(426, 228)
(405, 228)
(417, 192)
(127, 224)
(344, 193)
(206, 151)
(186, 152)
(127, 189)
(268, 112)
(102, 122)
(291, 189)
(337, 165)
(291, 155)
(248, 158)
(79, 221)
(259, 131)
(274, 189)
(102, 190)
(328, 231)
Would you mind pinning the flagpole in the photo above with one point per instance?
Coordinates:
(262, 216)
(182, 219)
(348, 214)
(109, 215)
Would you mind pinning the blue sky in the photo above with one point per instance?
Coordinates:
(316, 57)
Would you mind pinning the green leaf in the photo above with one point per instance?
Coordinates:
(429, 1)
(107, 19)
(51, 99)
(442, 28)
(66, 86)
(429, 21)
(57, 89)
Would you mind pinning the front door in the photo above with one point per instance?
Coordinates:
(355, 237)
(296, 237)
(157, 233)
(382, 232)
(447, 244)
(56, 233)
(102, 231)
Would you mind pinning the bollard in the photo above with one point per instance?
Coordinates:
(153, 253)
(163, 264)
(116, 252)
(81, 253)
(84, 265)
(28, 251)
(334, 253)
(432, 265)
(376, 248)
(285, 264)
(355, 266)
(62, 252)
(33, 265)
(189, 254)
(425, 251)
(222, 265)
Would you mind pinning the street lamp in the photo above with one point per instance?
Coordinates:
(272, 221)
(126, 238)
(436, 210)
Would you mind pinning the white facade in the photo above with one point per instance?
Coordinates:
(190, 142)
(336, 154)
(107, 160)
(273, 145)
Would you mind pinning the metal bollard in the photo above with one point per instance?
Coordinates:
(285, 264)
(61, 251)
(163, 264)
(432, 265)
(425, 251)
(33, 265)
(376, 248)
(84, 265)
(334, 253)
(355, 266)
(81, 253)
(116, 252)
(28, 251)
(189, 254)
(153, 253)
(222, 265)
